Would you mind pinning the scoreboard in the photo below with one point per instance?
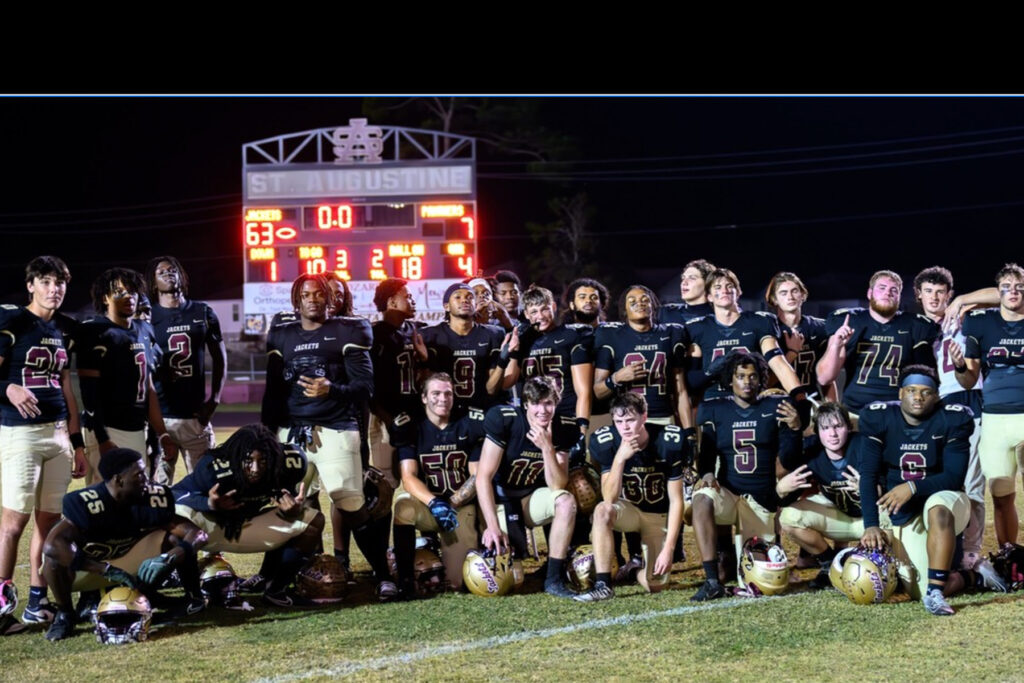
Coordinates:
(365, 202)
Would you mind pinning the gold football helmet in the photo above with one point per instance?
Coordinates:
(123, 616)
(488, 575)
(869, 576)
(585, 485)
(323, 580)
(764, 567)
(581, 569)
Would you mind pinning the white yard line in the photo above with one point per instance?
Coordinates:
(346, 668)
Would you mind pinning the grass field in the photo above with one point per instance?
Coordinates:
(530, 636)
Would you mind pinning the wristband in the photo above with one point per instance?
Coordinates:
(772, 353)
(3, 393)
(583, 422)
(504, 362)
(913, 487)
(76, 440)
(610, 383)
(961, 369)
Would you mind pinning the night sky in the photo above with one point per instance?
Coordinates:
(833, 188)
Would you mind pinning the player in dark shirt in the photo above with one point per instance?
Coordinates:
(916, 453)
(995, 351)
(471, 353)
(114, 359)
(41, 446)
(643, 356)
(521, 479)
(821, 497)
(692, 290)
(642, 486)
(714, 336)
(119, 531)
(319, 382)
(438, 459)
(874, 344)
(507, 289)
(183, 328)
(248, 495)
(802, 337)
(747, 439)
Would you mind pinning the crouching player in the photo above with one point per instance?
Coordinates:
(753, 437)
(438, 459)
(524, 466)
(831, 472)
(917, 451)
(642, 485)
(119, 531)
(228, 493)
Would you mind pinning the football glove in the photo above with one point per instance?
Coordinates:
(120, 576)
(578, 452)
(153, 570)
(444, 513)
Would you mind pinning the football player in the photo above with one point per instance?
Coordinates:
(830, 471)
(874, 344)
(507, 289)
(549, 349)
(642, 487)
(644, 356)
(933, 288)
(114, 359)
(41, 445)
(916, 451)
(803, 336)
(728, 328)
(120, 531)
(248, 496)
(487, 311)
(585, 302)
(474, 355)
(183, 329)
(438, 458)
(691, 289)
(319, 381)
(521, 479)
(995, 349)
(747, 439)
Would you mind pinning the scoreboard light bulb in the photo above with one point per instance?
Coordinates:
(456, 249)
(442, 211)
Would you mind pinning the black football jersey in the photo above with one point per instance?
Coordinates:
(747, 441)
(283, 318)
(183, 334)
(662, 350)
(815, 341)
(194, 490)
(443, 454)
(828, 473)
(552, 354)
(34, 355)
(110, 529)
(123, 357)
(999, 345)
(682, 312)
(877, 352)
(394, 367)
(933, 455)
(340, 351)
(468, 359)
(716, 340)
(522, 467)
(645, 476)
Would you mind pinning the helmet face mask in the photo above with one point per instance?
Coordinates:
(869, 576)
(487, 574)
(429, 573)
(123, 616)
(219, 583)
(764, 567)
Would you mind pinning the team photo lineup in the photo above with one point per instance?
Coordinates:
(523, 425)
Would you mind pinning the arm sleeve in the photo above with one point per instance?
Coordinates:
(870, 466)
(358, 367)
(274, 413)
(954, 457)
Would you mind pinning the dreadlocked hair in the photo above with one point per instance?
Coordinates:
(253, 437)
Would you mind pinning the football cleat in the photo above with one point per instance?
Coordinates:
(869, 576)
(935, 602)
(488, 575)
(627, 572)
(821, 581)
(287, 598)
(709, 590)
(558, 589)
(990, 579)
(600, 591)
(123, 616)
(387, 591)
(86, 606)
(764, 567)
(43, 613)
(8, 598)
(256, 583)
(63, 626)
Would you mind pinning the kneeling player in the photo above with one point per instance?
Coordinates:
(918, 452)
(831, 464)
(119, 531)
(228, 494)
(642, 486)
(525, 466)
(438, 459)
(751, 436)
